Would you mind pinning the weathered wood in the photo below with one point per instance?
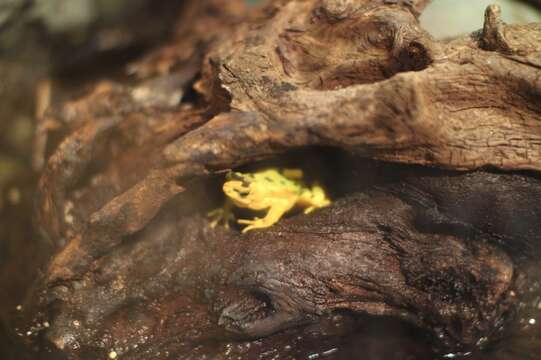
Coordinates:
(241, 85)
(451, 105)
(387, 252)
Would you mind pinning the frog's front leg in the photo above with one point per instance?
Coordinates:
(276, 211)
(222, 215)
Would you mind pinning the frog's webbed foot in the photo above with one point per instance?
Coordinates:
(276, 211)
(221, 216)
(255, 223)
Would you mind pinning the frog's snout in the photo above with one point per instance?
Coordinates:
(236, 188)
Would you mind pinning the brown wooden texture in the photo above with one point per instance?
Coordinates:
(240, 84)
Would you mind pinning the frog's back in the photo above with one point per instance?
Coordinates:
(275, 183)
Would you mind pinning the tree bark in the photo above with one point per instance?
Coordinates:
(399, 249)
(237, 85)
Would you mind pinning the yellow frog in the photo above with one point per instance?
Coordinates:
(273, 190)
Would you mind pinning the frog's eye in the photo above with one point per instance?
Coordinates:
(234, 176)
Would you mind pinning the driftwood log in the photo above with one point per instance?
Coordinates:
(122, 197)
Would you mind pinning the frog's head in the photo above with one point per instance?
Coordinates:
(238, 187)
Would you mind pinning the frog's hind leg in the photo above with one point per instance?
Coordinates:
(293, 174)
(276, 211)
(315, 198)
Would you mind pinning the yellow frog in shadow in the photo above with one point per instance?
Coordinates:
(272, 190)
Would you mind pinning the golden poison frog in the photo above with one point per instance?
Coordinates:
(271, 190)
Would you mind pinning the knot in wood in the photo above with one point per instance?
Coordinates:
(340, 9)
(493, 37)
